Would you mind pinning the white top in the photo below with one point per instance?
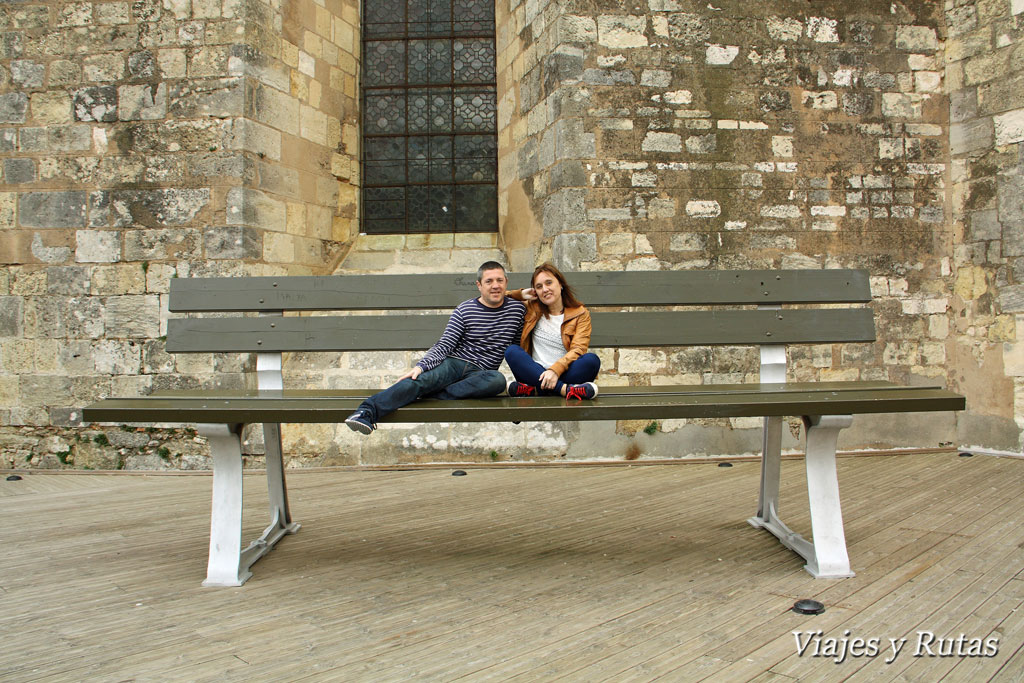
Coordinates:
(547, 340)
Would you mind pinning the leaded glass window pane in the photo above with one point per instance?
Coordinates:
(429, 116)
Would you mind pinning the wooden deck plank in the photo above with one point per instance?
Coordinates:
(579, 574)
(747, 641)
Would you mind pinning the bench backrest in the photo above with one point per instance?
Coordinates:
(729, 294)
(409, 312)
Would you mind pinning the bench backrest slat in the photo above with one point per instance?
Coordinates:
(444, 291)
(611, 329)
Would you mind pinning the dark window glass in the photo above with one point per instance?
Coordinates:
(430, 145)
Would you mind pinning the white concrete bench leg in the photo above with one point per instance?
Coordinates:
(826, 556)
(228, 565)
(771, 457)
(277, 487)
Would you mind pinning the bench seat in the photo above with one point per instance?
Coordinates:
(616, 403)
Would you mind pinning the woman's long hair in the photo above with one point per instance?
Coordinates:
(569, 299)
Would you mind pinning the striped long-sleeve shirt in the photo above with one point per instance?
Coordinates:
(478, 334)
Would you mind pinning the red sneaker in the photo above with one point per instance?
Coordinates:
(520, 389)
(579, 392)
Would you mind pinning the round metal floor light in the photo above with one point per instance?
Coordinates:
(807, 606)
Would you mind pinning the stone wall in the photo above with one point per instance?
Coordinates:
(681, 134)
(984, 73)
(142, 141)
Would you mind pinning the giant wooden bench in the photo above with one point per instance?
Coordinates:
(682, 308)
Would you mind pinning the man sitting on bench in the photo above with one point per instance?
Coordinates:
(464, 362)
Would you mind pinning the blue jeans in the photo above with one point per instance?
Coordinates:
(454, 378)
(528, 371)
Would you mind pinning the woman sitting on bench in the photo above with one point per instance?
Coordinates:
(552, 357)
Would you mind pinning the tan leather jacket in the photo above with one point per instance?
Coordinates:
(575, 331)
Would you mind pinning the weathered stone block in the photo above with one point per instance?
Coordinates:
(565, 210)
(916, 39)
(40, 391)
(117, 357)
(569, 173)
(83, 317)
(656, 78)
(95, 103)
(13, 107)
(52, 209)
(608, 77)
(660, 207)
(576, 29)
(661, 142)
(970, 136)
(274, 108)
(618, 31)
(827, 100)
(570, 249)
(720, 55)
(220, 98)
(19, 171)
(1011, 200)
(142, 102)
(774, 101)
(617, 243)
(822, 29)
(27, 74)
(702, 144)
(232, 242)
(97, 246)
(787, 29)
(706, 208)
(50, 107)
(1011, 299)
(634, 361)
(563, 66)
(255, 208)
(74, 358)
(170, 206)
(1009, 127)
(158, 245)
(678, 97)
(141, 65)
(572, 142)
(132, 316)
(857, 103)
(11, 315)
(963, 104)
(689, 28)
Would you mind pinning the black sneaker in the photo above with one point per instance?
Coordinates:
(360, 421)
(520, 389)
(579, 392)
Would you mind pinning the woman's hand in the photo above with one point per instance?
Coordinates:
(529, 294)
(548, 379)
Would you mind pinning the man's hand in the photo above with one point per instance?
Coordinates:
(548, 379)
(412, 374)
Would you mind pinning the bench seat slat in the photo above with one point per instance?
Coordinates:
(751, 402)
(411, 332)
(648, 288)
(606, 390)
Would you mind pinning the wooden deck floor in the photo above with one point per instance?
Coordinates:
(584, 574)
